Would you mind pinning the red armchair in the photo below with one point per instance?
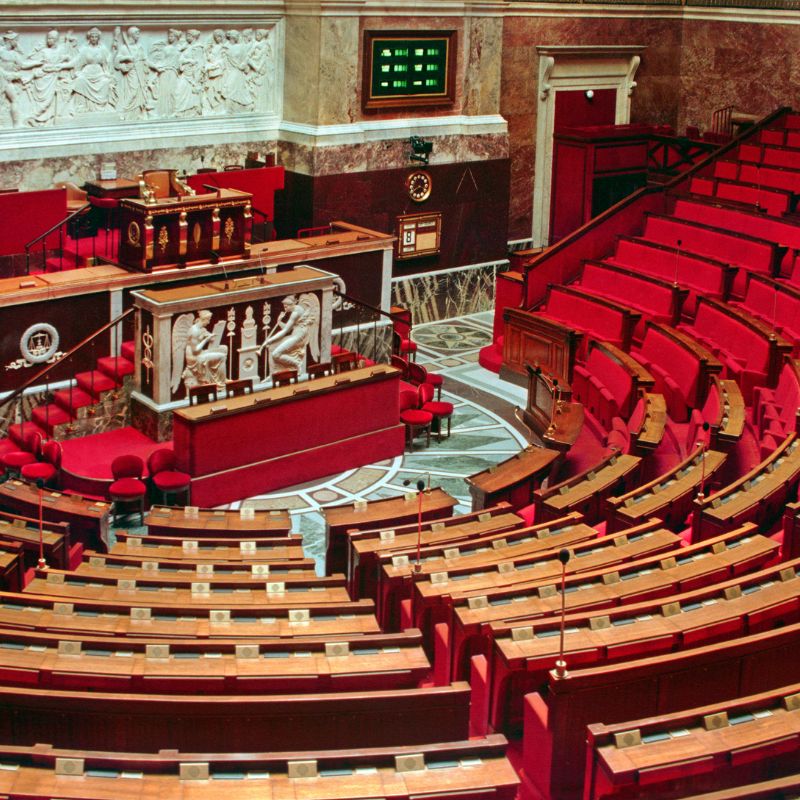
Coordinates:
(48, 469)
(440, 409)
(128, 486)
(14, 461)
(165, 478)
(414, 418)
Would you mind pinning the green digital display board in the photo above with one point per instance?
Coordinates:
(401, 70)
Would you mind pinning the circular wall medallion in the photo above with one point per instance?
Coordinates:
(419, 185)
(39, 343)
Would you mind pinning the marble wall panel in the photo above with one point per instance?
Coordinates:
(444, 295)
(388, 154)
(373, 341)
(753, 66)
(482, 76)
(153, 424)
(43, 173)
(339, 76)
(302, 70)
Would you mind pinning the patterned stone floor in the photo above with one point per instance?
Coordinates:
(484, 432)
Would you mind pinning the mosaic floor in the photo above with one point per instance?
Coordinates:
(484, 432)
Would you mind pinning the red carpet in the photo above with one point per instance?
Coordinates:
(86, 464)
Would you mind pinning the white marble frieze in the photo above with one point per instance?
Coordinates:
(122, 80)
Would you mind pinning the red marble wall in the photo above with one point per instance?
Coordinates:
(656, 98)
(754, 67)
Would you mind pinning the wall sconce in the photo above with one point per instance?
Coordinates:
(420, 149)
(589, 94)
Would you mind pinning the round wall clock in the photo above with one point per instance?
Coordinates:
(419, 185)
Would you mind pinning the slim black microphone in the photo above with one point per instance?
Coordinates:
(561, 665)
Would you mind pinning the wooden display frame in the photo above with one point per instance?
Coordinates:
(418, 235)
(371, 96)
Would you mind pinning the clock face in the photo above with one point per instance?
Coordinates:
(419, 185)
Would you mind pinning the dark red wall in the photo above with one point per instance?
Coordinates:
(573, 108)
(473, 199)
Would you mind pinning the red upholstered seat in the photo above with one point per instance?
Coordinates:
(402, 345)
(128, 486)
(18, 459)
(15, 460)
(414, 418)
(49, 468)
(168, 480)
(398, 362)
(440, 409)
(418, 375)
(171, 480)
(127, 489)
(40, 471)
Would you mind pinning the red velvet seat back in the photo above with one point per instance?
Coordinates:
(161, 460)
(127, 466)
(51, 453)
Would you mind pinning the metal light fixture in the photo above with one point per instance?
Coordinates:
(420, 149)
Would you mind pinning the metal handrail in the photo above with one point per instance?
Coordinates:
(42, 237)
(55, 227)
(349, 298)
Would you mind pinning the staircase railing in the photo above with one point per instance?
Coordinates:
(60, 227)
(364, 334)
(14, 401)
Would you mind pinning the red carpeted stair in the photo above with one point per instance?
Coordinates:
(72, 399)
(48, 415)
(95, 382)
(87, 390)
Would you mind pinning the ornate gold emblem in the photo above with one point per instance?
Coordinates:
(229, 229)
(134, 234)
(147, 352)
(197, 232)
(163, 239)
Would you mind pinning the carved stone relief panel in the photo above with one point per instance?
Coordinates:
(101, 76)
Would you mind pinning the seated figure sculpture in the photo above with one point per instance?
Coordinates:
(198, 357)
(297, 328)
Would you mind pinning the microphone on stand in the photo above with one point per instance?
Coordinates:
(703, 444)
(561, 666)
(420, 491)
(40, 486)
